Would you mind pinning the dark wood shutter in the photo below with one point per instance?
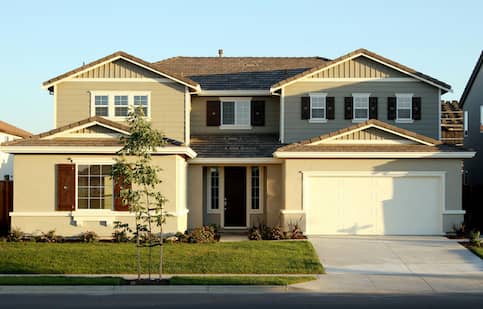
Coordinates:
(391, 108)
(305, 108)
(65, 187)
(330, 105)
(348, 107)
(258, 113)
(213, 113)
(372, 108)
(416, 108)
(119, 184)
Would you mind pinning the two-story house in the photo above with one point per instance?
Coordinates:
(344, 146)
(472, 104)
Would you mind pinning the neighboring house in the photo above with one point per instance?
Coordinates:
(452, 131)
(8, 133)
(472, 104)
(344, 146)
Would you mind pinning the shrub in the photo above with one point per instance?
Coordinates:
(88, 236)
(297, 233)
(254, 233)
(265, 232)
(475, 238)
(205, 234)
(15, 235)
(49, 237)
(121, 232)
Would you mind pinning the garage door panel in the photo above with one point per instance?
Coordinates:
(373, 205)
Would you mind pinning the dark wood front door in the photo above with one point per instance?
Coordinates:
(235, 196)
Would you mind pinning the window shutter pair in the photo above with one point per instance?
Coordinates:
(213, 113)
(329, 105)
(349, 108)
(392, 105)
(66, 189)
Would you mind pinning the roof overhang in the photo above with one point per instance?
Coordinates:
(350, 56)
(167, 150)
(235, 161)
(126, 57)
(374, 155)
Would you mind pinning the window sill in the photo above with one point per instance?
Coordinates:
(404, 121)
(98, 215)
(317, 120)
(235, 127)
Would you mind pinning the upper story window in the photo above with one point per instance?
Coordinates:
(318, 108)
(361, 106)
(404, 107)
(235, 113)
(118, 104)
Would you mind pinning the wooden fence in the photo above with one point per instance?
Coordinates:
(6, 205)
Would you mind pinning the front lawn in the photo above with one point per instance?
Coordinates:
(60, 280)
(247, 257)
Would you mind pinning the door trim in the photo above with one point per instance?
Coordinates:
(306, 175)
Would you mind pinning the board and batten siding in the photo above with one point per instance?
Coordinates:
(198, 117)
(297, 129)
(358, 68)
(117, 69)
(167, 102)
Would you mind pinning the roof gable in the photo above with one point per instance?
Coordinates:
(472, 79)
(120, 55)
(371, 56)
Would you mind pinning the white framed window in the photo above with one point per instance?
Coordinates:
(95, 187)
(404, 107)
(465, 122)
(117, 104)
(318, 107)
(235, 113)
(255, 183)
(213, 187)
(361, 107)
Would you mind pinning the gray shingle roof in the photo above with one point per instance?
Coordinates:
(235, 145)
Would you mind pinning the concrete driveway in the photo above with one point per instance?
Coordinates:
(396, 264)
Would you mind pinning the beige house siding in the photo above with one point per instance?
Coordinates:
(293, 168)
(167, 103)
(198, 117)
(35, 194)
(360, 67)
(297, 129)
(369, 134)
(117, 69)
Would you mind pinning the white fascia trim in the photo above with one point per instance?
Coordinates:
(238, 161)
(71, 77)
(362, 79)
(90, 124)
(130, 80)
(94, 150)
(87, 213)
(292, 212)
(454, 212)
(325, 141)
(353, 57)
(395, 155)
(209, 93)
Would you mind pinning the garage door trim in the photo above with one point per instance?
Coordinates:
(306, 175)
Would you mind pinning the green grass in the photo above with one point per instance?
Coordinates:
(247, 257)
(59, 280)
(477, 250)
(239, 280)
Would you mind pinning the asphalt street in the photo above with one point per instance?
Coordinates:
(284, 300)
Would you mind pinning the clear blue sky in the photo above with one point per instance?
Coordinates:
(41, 39)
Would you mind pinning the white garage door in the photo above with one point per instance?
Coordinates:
(375, 204)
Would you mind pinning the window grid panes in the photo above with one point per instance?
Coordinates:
(101, 105)
(318, 107)
(228, 113)
(94, 187)
(242, 113)
(121, 107)
(361, 108)
(235, 113)
(404, 107)
(141, 101)
(255, 187)
(214, 188)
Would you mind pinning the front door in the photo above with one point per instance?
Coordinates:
(235, 196)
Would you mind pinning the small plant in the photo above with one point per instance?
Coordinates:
(254, 233)
(459, 229)
(204, 234)
(475, 238)
(15, 235)
(88, 237)
(121, 232)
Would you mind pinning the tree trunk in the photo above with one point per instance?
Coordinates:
(161, 246)
(138, 249)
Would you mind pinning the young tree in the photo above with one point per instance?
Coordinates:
(138, 178)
